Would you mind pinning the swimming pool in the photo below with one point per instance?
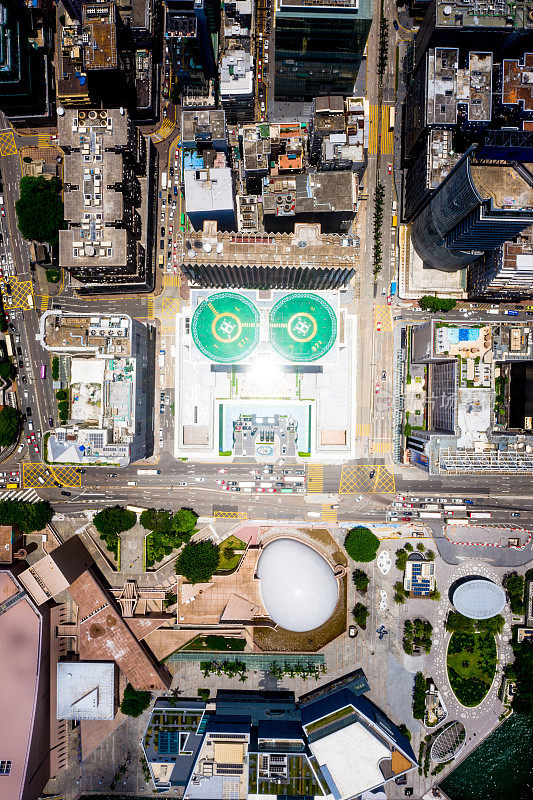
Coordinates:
(456, 335)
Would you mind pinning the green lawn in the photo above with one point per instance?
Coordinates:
(215, 643)
(226, 564)
(321, 723)
(471, 663)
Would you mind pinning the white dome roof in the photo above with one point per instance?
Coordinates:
(298, 587)
(479, 598)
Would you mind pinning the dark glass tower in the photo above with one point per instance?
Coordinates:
(319, 46)
(476, 208)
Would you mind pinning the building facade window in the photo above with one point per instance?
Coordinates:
(5, 767)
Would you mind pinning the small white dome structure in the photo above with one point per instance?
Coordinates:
(298, 587)
(479, 598)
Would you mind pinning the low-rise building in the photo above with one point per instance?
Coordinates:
(419, 576)
(209, 197)
(86, 690)
(107, 369)
(339, 132)
(333, 743)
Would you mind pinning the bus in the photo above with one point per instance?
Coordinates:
(391, 118)
(246, 484)
(182, 222)
(30, 301)
(43, 371)
(479, 514)
(148, 472)
(135, 509)
(163, 181)
(9, 345)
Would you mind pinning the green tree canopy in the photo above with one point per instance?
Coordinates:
(7, 369)
(197, 561)
(361, 544)
(134, 702)
(10, 425)
(457, 622)
(523, 670)
(114, 520)
(26, 517)
(360, 614)
(430, 303)
(514, 586)
(40, 211)
(361, 580)
(184, 520)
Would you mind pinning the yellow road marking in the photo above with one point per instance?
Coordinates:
(383, 318)
(19, 294)
(329, 514)
(170, 307)
(363, 429)
(380, 448)
(150, 304)
(171, 280)
(66, 476)
(387, 136)
(374, 130)
(315, 477)
(356, 480)
(231, 515)
(7, 143)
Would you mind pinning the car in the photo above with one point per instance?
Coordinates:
(19, 351)
(383, 375)
(21, 364)
(372, 473)
(414, 499)
(181, 483)
(67, 494)
(28, 411)
(406, 519)
(389, 169)
(12, 327)
(111, 474)
(199, 480)
(377, 388)
(222, 471)
(352, 631)
(51, 421)
(515, 514)
(395, 24)
(35, 448)
(81, 471)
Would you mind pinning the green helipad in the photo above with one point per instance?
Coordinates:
(225, 327)
(303, 327)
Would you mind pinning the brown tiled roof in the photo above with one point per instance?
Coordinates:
(105, 636)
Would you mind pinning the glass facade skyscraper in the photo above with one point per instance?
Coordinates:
(319, 46)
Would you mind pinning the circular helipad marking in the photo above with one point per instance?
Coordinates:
(226, 327)
(300, 329)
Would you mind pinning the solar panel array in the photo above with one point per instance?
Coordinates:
(419, 585)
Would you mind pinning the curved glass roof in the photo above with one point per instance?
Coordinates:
(298, 587)
(479, 598)
(303, 327)
(225, 327)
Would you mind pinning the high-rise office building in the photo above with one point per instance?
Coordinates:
(190, 31)
(319, 46)
(477, 207)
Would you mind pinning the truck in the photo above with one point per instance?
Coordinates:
(479, 514)
(148, 472)
(30, 301)
(246, 484)
(161, 358)
(430, 506)
(135, 509)
(9, 345)
(431, 514)
(163, 181)
(393, 288)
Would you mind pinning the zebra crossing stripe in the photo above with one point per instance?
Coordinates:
(28, 495)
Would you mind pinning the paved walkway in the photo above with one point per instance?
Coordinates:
(132, 550)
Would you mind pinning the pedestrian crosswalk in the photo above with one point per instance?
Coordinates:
(167, 126)
(374, 130)
(171, 280)
(43, 140)
(329, 514)
(28, 495)
(150, 304)
(315, 477)
(45, 299)
(387, 136)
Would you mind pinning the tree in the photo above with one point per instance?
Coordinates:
(361, 580)
(420, 547)
(10, 425)
(40, 211)
(184, 520)
(134, 702)
(114, 520)
(430, 303)
(361, 544)
(360, 614)
(419, 696)
(493, 625)
(401, 559)
(26, 517)
(408, 546)
(430, 555)
(197, 561)
(514, 585)
(523, 670)
(61, 394)
(7, 369)
(458, 623)
(55, 369)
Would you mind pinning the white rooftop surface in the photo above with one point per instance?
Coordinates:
(479, 598)
(85, 690)
(418, 281)
(351, 756)
(298, 587)
(473, 416)
(212, 194)
(87, 370)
